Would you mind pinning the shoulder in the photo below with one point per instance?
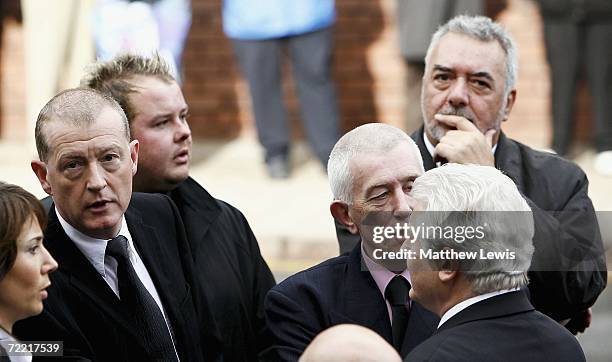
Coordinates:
(321, 278)
(548, 161)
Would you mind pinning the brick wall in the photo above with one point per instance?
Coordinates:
(368, 70)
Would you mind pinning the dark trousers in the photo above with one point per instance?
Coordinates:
(310, 55)
(571, 46)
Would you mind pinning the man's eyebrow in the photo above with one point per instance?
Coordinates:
(386, 183)
(442, 68)
(483, 75)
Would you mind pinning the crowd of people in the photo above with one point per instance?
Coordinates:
(131, 259)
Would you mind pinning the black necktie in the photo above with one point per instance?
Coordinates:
(148, 319)
(397, 295)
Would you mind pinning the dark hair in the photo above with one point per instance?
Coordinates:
(16, 207)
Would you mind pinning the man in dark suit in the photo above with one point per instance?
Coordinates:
(229, 265)
(485, 315)
(371, 170)
(469, 88)
(122, 291)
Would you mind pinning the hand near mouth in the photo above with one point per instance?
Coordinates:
(464, 143)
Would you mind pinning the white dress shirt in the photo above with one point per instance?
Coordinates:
(7, 338)
(95, 251)
(466, 303)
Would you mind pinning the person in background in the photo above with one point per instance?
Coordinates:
(25, 263)
(142, 27)
(260, 32)
(577, 35)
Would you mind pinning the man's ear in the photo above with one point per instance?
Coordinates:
(511, 98)
(448, 271)
(134, 147)
(40, 170)
(340, 212)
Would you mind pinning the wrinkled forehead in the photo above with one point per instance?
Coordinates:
(462, 52)
(108, 128)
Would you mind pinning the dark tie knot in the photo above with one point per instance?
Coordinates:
(118, 248)
(397, 291)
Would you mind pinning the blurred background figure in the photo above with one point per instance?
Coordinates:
(25, 264)
(349, 342)
(578, 34)
(260, 32)
(142, 27)
(417, 20)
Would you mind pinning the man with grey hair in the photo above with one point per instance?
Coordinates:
(371, 170)
(484, 314)
(122, 291)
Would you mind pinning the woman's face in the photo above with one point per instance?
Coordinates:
(22, 289)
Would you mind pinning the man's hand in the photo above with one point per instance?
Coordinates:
(465, 144)
(580, 322)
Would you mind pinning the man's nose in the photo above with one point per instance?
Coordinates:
(403, 206)
(96, 181)
(459, 96)
(182, 130)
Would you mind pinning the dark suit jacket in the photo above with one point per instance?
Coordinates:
(501, 328)
(334, 292)
(85, 313)
(229, 268)
(567, 234)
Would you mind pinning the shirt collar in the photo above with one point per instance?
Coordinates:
(93, 249)
(430, 147)
(468, 302)
(381, 275)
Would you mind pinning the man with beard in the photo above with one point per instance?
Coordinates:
(469, 88)
(371, 170)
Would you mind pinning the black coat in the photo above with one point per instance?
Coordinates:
(336, 291)
(85, 313)
(502, 328)
(566, 229)
(229, 267)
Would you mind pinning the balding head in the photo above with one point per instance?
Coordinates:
(349, 342)
(78, 107)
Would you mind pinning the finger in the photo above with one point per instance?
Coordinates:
(458, 122)
(489, 136)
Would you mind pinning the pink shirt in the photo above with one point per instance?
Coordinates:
(382, 276)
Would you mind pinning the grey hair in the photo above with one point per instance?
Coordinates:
(365, 139)
(484, 29)
(77, 106)
(472, 195)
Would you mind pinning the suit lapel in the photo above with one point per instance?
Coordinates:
(364, 302)
(82, 275)
(147, 245)
(195, 210)
(508, 159)
(417, 136)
